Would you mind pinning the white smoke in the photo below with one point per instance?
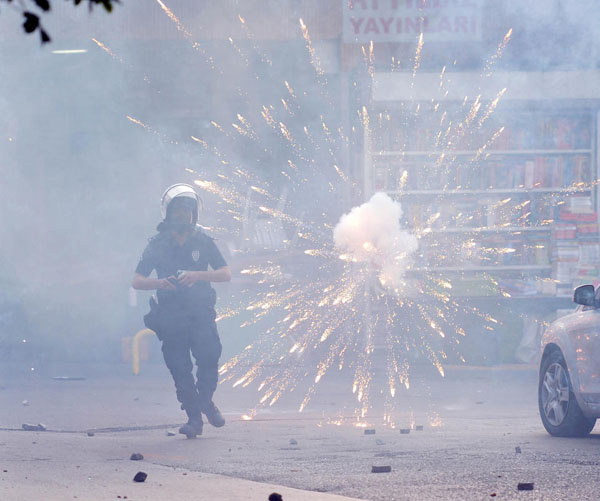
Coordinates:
(371, 234)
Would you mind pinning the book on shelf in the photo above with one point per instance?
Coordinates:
(565, 231)
(578, 216)
(479, 212)
(588, 231)
(580, 204)
(589, 254)
(588, 274)
(502, 172)
(535, 152)
(425, 132)
(576, 238)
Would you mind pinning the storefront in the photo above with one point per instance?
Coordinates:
(492, 152)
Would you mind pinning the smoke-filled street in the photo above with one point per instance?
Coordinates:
(485, 414)
(299, 249)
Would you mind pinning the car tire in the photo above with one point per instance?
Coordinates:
(559, 410)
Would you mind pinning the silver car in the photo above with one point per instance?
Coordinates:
(569, 380)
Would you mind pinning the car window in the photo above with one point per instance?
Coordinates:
(596, 297)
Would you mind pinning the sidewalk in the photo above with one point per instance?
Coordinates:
(127, 414)
(245, 459)
(49, 466)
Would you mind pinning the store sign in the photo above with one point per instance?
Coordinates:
(405, 20)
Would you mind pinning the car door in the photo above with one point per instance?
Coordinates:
(584, 337)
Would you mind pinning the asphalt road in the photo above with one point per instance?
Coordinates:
(473, 419)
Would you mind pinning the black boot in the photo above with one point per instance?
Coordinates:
(194, 425)
(192, 428)
(213, 414)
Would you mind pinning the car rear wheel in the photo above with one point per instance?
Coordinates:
(559, 410)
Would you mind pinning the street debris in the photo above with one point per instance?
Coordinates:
(170, 433)
(525, 486)
(25, 402)
(293, 441)
(381, 469)
(379, 442)
(140, 476)
(275, 497)
(518, 449)
(370, 431)
(34, 427)
(90, 434)
(136, 456)
(404, 431)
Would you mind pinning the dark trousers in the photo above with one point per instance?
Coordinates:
(197, 335)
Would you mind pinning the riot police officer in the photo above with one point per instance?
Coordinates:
(183, 312)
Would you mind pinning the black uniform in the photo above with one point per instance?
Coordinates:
(184, 319)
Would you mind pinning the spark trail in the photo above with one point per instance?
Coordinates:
(366, 304)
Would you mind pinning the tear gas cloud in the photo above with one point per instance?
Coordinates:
(82, 182)
(371, 233)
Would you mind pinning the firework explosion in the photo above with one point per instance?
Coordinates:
(358, 303)
(374, 289)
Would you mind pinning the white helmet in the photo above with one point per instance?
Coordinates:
(180, 190)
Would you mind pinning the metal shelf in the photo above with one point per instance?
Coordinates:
(384, 153)
(385, 156)
(490, 191)
(485, 268)
(507, 229)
